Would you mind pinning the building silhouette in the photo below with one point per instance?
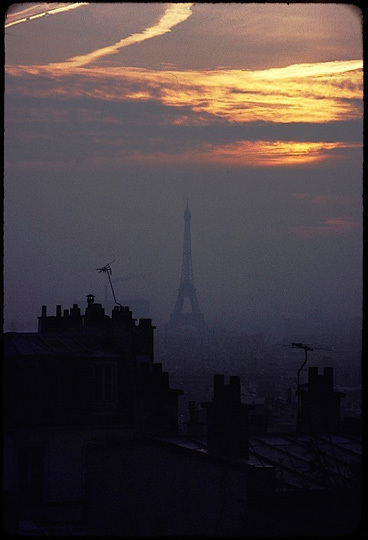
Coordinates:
(80, 377)
(226, 482)
(92, 446)
(187, 291)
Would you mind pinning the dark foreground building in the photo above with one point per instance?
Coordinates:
(229, 483)
(92, 445)
(80, 377)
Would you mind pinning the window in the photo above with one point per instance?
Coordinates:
(104, 384)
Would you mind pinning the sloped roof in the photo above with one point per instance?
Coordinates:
(305, 461)
(301, 461)
(81, 345)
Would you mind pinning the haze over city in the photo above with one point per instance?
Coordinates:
(117, 115)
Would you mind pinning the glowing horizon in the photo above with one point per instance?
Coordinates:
(313, 93)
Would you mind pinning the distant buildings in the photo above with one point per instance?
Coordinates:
(91, 443)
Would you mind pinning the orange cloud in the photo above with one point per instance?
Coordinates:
(271, 153)
(244, 153)
(324, 92)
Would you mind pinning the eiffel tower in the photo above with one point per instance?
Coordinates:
(186, 289)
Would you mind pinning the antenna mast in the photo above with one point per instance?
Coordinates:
(306, 349)
(107, 270)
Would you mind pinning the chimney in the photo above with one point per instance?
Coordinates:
(320, 404)
(227, 419)
(42, 319)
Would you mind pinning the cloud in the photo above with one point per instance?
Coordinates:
(37, 11)
(235, 96)
(174, 14)
(328, 227)
(272, 153)
(148, 132)
(305, 94)
(321, 69)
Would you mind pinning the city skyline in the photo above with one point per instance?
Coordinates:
(117, 114)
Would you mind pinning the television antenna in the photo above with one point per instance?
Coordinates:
(107, 270)
(306, 348)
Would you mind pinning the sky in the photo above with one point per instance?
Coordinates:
(118, 114)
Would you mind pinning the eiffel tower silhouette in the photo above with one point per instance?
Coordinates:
(186, 289)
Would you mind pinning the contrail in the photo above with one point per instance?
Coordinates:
(29, 13)
(174, 14)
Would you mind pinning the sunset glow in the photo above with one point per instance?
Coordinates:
(117, 113)
(315, 92)
(183, 222)
(234, 96)
(267, 154)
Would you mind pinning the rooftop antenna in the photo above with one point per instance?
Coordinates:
(306, 349)
(107, 270)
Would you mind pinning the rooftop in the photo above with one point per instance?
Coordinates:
(301, 461)
(83, 345)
